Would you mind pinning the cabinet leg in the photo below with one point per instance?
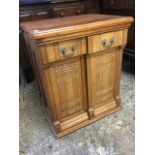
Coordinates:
(118, 101)
(91, 113)
(57, 126)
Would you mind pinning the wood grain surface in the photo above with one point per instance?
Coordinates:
(77, 70)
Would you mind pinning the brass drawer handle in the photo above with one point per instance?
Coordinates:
(73, 48)
(63, 50)
(62, 14)
(65, 53)
(78, 12)
(112, 41)
(104, 42)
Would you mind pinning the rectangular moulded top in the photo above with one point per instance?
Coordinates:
(41, 29)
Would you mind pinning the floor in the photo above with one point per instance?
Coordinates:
(112, 135)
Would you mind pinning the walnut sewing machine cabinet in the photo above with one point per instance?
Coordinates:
(77, 63)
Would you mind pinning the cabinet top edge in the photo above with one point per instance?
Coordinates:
(41, 29)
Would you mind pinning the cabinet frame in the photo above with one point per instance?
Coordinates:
(51, 105)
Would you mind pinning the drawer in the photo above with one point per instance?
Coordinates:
(68, 11)
(106, 41)
(62, 50)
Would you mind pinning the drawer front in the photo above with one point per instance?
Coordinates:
(106, 41)
(68, 11)
(62, 50)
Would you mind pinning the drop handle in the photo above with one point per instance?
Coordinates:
(112, 41)
(62, 14)
(73, 48)
(78, 12)
(104, 42)
(65, 53)
(63, 50)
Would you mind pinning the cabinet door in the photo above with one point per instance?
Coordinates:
(103, 80)
(65, 81)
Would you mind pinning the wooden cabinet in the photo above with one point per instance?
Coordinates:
(77, 62)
